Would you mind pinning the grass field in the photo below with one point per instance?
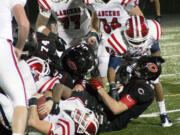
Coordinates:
(149, 122)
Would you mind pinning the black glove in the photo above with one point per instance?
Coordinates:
(55, 108)
(60, 43)
(113, 91)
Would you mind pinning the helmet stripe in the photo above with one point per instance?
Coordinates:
(139, 26)
(134, 27)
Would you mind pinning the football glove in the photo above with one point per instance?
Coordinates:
(95, 84)
(113, 91)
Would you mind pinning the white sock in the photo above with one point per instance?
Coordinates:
(17, 134)
(162, 108)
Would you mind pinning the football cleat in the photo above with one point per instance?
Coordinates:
(165, 121)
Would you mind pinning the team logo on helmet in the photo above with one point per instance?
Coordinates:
(152, 67)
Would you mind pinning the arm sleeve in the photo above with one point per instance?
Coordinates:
(44, 8)
(129, 4)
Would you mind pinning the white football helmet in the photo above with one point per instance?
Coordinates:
(85, 121)
(39, 67)
(136, 32)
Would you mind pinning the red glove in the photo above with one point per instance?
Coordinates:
(95, 84)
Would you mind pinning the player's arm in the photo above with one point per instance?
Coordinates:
(95, 23)
(41, 24)
(34, 121)
(115, 106)
(136, 11)
(61, 91)
(23, 27)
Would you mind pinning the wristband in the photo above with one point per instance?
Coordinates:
(33, 101)
(41, 28)
(48, 98)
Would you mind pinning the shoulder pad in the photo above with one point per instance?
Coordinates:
(154, 29)
(116, 42)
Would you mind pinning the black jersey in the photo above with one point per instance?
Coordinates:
(141, 92)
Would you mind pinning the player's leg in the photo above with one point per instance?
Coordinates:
(165, 121)
(114, 62)
(103, 61)
(13, 85)
(155, 51)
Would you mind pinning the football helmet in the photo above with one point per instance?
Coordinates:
(149, 67)
(136, 32)
(78, 60)
(85, 121)
(39, 67)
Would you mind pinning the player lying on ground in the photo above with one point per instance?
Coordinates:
(135, 97)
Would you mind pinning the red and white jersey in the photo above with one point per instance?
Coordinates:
(117, 45)
(6, 17)
(63, 124)
(113, 14)
(72, 16)
(46, 83)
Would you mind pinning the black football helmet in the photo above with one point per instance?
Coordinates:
(78, 60)
(149, 67)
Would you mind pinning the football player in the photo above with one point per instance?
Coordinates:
(137, 37)
(48, 68)
(73, 118)
(136, 95)
(78, 61)
(73, 18)
(11, 80)
(112, 14)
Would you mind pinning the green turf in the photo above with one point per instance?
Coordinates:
(170, 79)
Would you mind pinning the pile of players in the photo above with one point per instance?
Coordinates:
(67, 68)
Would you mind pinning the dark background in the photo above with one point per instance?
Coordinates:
(168, 7)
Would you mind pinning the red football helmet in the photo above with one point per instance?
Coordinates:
(136, 31)
(38, 67)
(85, 121)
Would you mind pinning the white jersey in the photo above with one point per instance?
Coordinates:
(6, 17)
(64, 120)
(117, 45)
(72, 16)
(113, 14)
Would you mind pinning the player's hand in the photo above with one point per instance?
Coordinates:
(46, 107)
(18, 52)
(91, 40)
(95, 84)
(114, 94)
(113, 91)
